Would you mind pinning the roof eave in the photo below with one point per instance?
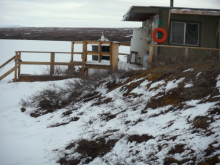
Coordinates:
(142, 16)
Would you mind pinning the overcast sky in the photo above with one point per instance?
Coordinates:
(81, 13)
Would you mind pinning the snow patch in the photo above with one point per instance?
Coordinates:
(188, 85)
(189, 70)
(218, 83)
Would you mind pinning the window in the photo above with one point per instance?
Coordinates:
(184, 33)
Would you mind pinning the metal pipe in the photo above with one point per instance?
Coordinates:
(171, 3)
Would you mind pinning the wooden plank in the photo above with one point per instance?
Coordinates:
(7, 62)
(49, 52)
(184, 47)
(48, 63)
(72, 50)
(97, 66)
(68, 63)
(195, 12)
(111, 53)
(123, 54)
(218, 28)
(97, 53)
(114, 56)
(169, 19)
(19, 65)
(84, 55)
(97, 42)
(34, 63)
(150, 55)
(16, 65)
(99, 49)
(52, 60)
(125, 44)
(7, 73)
(78, 42)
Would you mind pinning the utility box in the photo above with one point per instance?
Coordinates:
(139, 45)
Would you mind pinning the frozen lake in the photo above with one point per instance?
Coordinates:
(8, 48)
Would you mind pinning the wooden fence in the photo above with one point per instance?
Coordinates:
(113, 54)
(152, 56)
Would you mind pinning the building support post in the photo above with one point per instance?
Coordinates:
(72, 50)
(16, 66)
(99, 49)
(19, 65)
(151, 51)
(52, 57)
(84, 55)
(114, 56)
(169, 19)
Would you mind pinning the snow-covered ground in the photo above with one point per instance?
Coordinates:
(26, 140)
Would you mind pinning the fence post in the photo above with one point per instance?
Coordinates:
(114, 56)
(16, 65)
(19, 65)
(151, 51)
(72, 50)
(84, 55)
(99, 49)
(52, 57)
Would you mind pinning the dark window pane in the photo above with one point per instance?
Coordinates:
(177, 33)
(192, 34)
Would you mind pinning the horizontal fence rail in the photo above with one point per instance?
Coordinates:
(113, 54)
(186, 51)
(49, 52)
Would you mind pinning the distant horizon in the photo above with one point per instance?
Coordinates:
(60, 27)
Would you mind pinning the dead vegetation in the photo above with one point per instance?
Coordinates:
(54, 97)
(139, 138)
(88, 150)
(202, 77)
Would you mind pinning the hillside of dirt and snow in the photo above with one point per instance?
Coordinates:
(166, 115)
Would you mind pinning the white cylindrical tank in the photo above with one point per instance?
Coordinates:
(139, 42)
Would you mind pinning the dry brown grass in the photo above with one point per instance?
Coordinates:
(203, 85)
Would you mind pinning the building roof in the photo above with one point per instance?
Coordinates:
(142, 13)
